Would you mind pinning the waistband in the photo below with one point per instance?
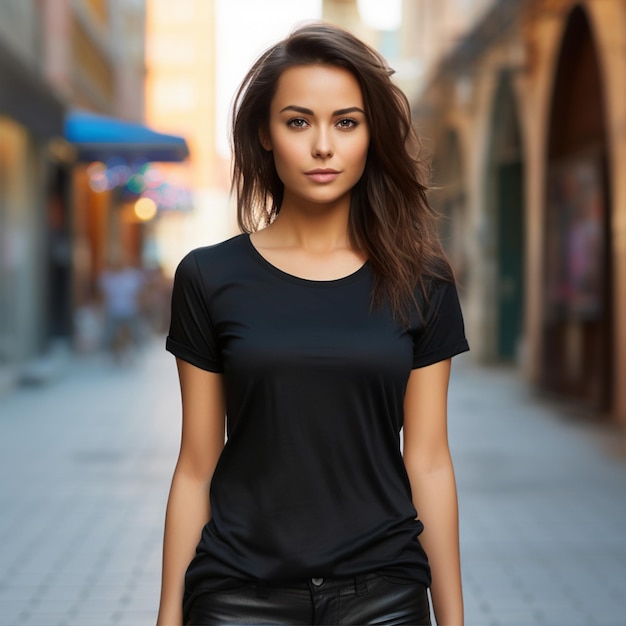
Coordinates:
(353, 584)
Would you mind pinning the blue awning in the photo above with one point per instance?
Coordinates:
(98, 138)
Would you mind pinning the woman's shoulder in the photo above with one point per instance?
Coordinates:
(212, 264)
(436, 290)
(217, 252)
(436, 275)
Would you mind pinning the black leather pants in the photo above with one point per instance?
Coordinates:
(367, 599)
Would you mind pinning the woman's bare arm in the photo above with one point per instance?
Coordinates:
(431, 474)
(188, 508)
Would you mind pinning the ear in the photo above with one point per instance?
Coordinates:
(264, 138)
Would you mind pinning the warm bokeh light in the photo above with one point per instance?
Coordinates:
(145, 209)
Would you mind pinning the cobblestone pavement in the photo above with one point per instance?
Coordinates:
(86, 464)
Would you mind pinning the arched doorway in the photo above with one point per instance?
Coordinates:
(577, 325)
(505, 175)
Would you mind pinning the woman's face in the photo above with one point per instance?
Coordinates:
(318, 134)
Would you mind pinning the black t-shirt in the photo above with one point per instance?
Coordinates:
(311, 482)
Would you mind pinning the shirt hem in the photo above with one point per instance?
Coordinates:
(189, 356)
(441, 355)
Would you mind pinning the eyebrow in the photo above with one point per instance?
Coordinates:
(305, 111)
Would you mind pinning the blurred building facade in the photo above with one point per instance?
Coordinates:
(57, 56)
(524, 114)
(390, 41)
(180, 92)
(33, 164)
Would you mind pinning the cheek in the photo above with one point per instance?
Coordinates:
(287, 161)
(283, 161)
(285, 152)
(359, 152)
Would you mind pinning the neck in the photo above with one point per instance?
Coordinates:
(314, 228)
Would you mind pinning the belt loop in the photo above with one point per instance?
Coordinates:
(262, 589)
(360, 584)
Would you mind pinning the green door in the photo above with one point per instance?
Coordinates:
(510, 259)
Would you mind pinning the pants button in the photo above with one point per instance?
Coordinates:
(318, 582)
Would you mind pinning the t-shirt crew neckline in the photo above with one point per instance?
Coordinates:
(334, 282)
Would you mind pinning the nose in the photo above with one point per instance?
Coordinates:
(322, 144)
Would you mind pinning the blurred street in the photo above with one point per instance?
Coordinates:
(87, 461)
(115, 162)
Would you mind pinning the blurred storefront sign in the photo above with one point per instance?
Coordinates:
(139, 180)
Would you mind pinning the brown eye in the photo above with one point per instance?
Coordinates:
(347, 123)
(297, 122)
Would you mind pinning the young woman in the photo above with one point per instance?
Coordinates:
(319, 336)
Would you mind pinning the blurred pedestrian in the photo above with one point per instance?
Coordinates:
(156, 298)
(120, 286)
(320, 332)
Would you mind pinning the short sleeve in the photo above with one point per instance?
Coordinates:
(191, 336)
(440, 333)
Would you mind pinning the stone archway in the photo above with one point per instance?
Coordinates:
(577, 319)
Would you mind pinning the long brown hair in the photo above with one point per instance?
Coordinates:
(391, 220)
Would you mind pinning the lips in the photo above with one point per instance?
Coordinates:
(322, 175)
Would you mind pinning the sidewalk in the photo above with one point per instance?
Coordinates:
(86, 465)
(543, 507)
